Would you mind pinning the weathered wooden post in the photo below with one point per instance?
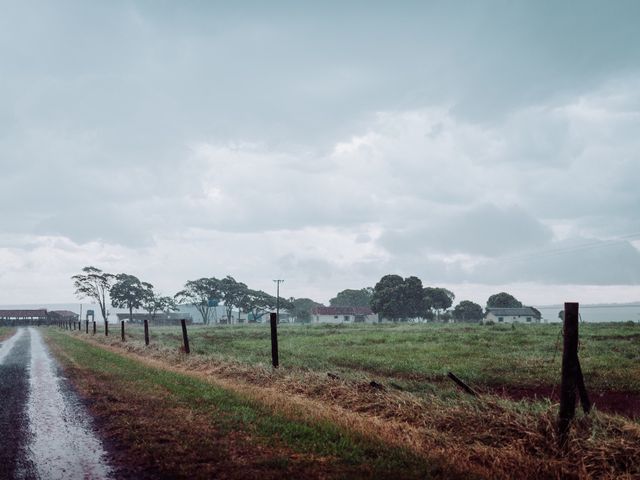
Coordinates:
(185, 338)
(462, 385)
(146, 332)
(87, 327)
(94, 327)
(79, 325)
(273, 319)
(106, 328)
(569, 370)
(122, 330)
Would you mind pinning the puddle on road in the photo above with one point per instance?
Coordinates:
(7, 345)
(62, 445)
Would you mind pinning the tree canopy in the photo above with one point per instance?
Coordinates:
(398, 298)
(129, 292)
(95, 284)
(157, 303)
(352, 298)
(233, 294)
(203, 293)
(257, 303)
(503, 300)
(301, 308)
(438, 299)
(468, 311)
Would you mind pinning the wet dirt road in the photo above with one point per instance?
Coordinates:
(44, 430)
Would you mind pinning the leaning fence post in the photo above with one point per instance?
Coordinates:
(569, 370)
(185, 338)
(273, 319)
(146, 332)
(122, 330)
(582, 391)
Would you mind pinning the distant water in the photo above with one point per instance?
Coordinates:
(597, 313)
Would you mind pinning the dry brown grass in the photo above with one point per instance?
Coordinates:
(489, 437)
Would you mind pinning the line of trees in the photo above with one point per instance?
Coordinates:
(393, 297)
(124, 291)
(204, 294)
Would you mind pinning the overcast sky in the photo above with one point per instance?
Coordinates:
(481, 146)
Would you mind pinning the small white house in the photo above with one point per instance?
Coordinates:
(511, 315)
(343, 315)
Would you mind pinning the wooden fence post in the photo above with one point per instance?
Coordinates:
(94, 327)
(146, 332)
(185, 338)
(569, 370)
(106, 328)
(582, 391)
(273, 319)
(122, 330)
(87, 325)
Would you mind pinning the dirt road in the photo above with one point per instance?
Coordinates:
(44, 430)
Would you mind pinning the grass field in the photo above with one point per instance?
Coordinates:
(176, 426)
(447, 432)
(6, 332)
(412, 355)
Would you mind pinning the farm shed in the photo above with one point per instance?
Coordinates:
(343, 315)
(511, 315)
(24, 317)
(63, 316)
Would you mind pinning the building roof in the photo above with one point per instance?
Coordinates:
(341, 311)
(23, 313)
(64, 313)
(513, 312)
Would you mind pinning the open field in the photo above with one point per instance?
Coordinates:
(6, 332)
(413, 355)
(163, 424)
(411, 409)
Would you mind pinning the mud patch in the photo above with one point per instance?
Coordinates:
(621, 403)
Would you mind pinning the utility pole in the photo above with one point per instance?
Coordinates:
(278, 282)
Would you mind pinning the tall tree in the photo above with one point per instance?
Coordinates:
(204, 294)
(301, 308)
(258, 303)
(468, 311)
(130, 293)
(503, 300)
(439, 299)
(157, 303)
(95, 284)
(353, 298)
(233, 294)
(396, 298)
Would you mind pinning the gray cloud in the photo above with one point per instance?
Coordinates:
(332, 141)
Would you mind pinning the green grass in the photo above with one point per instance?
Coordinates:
(231, 412)
(412, 354)
(6, 331)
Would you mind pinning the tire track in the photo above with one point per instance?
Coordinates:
(14, 394)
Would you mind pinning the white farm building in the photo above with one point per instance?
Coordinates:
(343, 315)
(512, 315)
